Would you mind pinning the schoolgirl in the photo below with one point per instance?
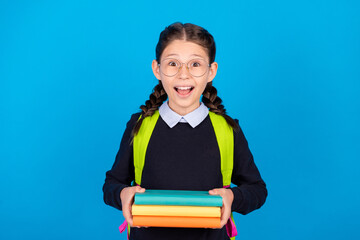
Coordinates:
(183, 151)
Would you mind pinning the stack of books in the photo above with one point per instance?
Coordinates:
(176, 208)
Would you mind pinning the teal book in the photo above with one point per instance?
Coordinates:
(178, 198)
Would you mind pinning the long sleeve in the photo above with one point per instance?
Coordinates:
(250, 192)
(122, 172)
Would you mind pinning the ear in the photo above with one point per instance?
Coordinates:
(212, 71)
(156, 69)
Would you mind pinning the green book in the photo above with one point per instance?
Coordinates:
(178, 197)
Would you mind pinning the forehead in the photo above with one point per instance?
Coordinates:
(184, 50)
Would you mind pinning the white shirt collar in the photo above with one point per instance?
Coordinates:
(194, 118)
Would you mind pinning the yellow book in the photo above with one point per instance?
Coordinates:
(185, 211)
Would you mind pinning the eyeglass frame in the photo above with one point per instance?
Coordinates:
(186, 64)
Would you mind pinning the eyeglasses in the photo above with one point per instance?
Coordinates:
(196, 67)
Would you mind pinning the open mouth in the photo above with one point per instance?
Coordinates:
(184, 90)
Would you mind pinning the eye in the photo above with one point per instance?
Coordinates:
(196, 64)
(172, 63)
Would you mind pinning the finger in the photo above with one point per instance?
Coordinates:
(222, 210)
(127, 214)
(225, 215)
(224, 219)
(223, 223)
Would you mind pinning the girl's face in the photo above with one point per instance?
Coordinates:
(183, 89)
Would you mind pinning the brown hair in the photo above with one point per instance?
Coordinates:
(196, 34)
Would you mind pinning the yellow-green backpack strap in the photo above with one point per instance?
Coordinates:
(128, 231)
(225, 138)
(141, 141)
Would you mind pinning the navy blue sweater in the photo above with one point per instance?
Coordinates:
(185, 158)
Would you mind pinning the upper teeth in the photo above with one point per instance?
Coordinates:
(183, 88)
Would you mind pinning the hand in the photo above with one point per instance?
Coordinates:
(228, 197)
(127, 199)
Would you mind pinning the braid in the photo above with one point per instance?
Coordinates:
(213, 102)
(156, 98)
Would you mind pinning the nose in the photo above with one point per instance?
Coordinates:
(184, 71)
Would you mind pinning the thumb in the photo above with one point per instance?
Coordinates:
(214, 192)
(139, 189)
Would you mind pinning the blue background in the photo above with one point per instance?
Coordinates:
(72, 73)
